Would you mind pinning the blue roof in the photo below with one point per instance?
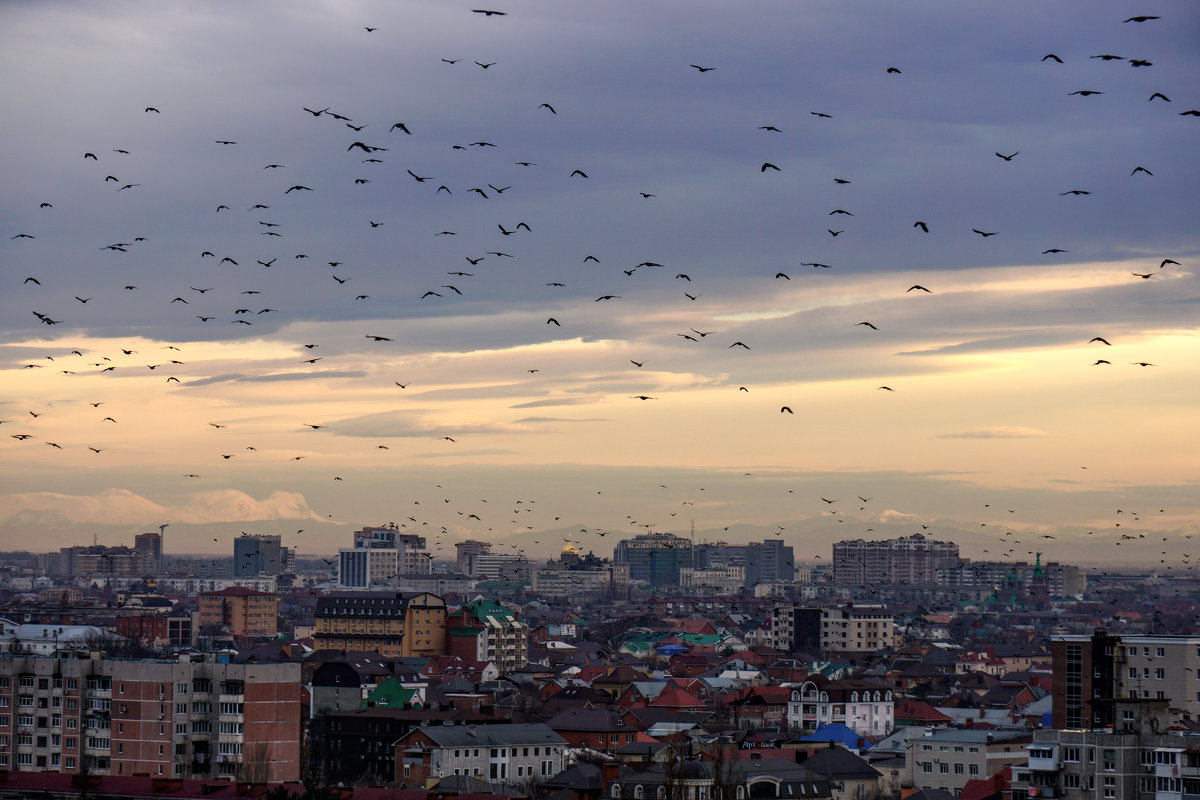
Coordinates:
(839, 734)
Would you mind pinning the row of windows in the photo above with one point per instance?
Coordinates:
(943, 768)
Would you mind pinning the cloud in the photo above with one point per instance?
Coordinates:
(462, 453)
(414, 424)
(892, 515)
(278, 376)
(557, 401)
(525, 420)
(123, 507)
(996, 433)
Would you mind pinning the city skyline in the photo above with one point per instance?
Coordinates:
(715, 199)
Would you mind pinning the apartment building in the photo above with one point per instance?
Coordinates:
(484, 630)
(393, 624)
(243, 612)
(947, 759)
(1090, 672)
(849, 631)
(1131, 761)
(909, 559)
(184, 718)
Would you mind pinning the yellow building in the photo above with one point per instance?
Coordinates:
(393, 624)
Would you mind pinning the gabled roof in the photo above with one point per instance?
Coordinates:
(589, 719)
(674, 697)
(838, 763)
(622, 673)
(919, 711)
(504, 735)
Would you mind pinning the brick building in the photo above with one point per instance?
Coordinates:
(243, 611)
(185, 718)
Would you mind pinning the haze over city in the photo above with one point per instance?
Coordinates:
(821, 271)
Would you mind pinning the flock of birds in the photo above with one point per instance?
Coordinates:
(228, 293)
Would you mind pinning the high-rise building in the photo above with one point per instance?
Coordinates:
(1091, 673)
(500, 567)
(262, 554)
(761, 562)
(654, 558)
(849, 631)
(379, 555)
(189, 718)
(151, 543)
(907, 560)
(467, 549)
(98, 559)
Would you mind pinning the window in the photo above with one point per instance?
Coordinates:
(958, 769)
(943, 768)
(972, 769)
(1133, 673)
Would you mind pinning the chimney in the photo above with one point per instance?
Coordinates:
(609, 771)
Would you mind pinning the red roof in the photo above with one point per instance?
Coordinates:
(987, 788)
(919, 711)
(674, 697)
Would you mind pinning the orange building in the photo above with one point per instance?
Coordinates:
(243, 611)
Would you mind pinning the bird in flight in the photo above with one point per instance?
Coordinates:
(917, 286)
(1100, 339)
(700, 68)
(787, 409)
(1141, 19)
(869, 325)
(984, 234)
(768, 165)
(378, 338)
(921, 225)
(1051, 57)
(1007, 158)
(489, 13)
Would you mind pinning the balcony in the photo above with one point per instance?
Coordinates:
(1043, 764)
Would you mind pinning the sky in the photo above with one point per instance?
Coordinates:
(774, 254)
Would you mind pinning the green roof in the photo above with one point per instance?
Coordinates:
(390, 694)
